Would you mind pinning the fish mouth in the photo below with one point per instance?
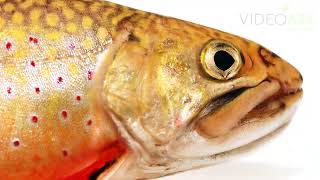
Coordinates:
(269, 113)
(241, 106)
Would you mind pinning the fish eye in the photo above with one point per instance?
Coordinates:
(221, 59)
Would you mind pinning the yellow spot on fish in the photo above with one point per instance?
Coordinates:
(95, 6)
(9, 7)
(1, 1)
(52, 53)
(80, 6)
(17, 18)
(73, 69)
(54, 35)
(102, 33)
(68, 13)
(58, 4)
(10, 70)
(35, 15)
(54, 103)
(36, 28)
(88, 43)
(20, 55)
(71, 27)
(52, 19)
(87, 22)
(41, 2)
(21, 78)
(2, 23)
(45, 72)
(26, 4)
(18, 34)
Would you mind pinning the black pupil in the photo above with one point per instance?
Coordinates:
(223, 60)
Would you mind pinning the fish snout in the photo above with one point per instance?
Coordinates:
(287, 75)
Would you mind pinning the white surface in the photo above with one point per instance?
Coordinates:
(296, 154)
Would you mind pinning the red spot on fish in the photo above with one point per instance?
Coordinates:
(60, 80)
(9, 90)
(78, 98)
(90, 75)
(33, 63)
(89, 122)
(34, 119)
(65, 153)
(72, 46)
(8, 45)
(37, 90)
(33, 40)
(16, 143)
(64, 114)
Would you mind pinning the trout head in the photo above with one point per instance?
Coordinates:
(185, 95)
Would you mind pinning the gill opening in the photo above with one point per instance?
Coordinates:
(98, 104)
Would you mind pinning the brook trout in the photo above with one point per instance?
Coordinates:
(92, 89)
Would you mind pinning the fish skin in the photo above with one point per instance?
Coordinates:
(48, 53)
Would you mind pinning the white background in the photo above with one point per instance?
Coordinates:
(295, 155)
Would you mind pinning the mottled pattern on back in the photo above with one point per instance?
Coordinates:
(52, 30)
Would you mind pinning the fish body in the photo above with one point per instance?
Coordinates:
(159, 97)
